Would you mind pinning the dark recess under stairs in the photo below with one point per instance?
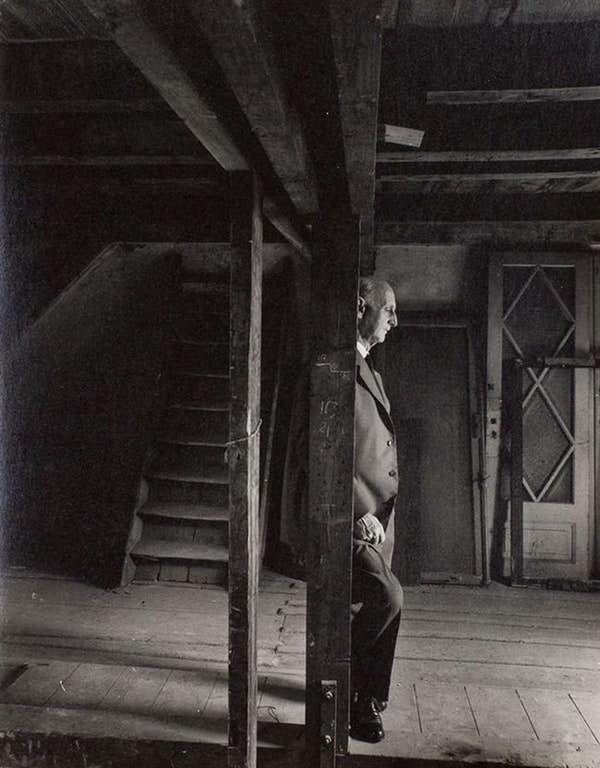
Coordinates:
(185, 516)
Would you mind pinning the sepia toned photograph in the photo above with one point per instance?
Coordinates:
(299, 383)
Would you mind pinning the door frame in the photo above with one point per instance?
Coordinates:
(475, 396)
(586, 321)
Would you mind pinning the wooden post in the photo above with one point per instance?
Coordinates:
(493, 398)
(331, 452)
(244, 462)
(516, 475)
(596, 389)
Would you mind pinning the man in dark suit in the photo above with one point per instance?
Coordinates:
(376, 593)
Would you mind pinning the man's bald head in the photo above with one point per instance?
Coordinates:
(376, 311)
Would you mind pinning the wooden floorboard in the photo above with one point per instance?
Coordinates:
(555, 717)
(444, 710)
(185, 693)
(588, 706)
(37, 684)
(86, 687)
(486, 675)
(500, 714)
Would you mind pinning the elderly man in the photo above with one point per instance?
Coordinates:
(376, 593)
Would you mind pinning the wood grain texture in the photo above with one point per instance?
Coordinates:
(241, 42)
(356, 31)
(244, 467)
(497, 182)
(497, 232)
(555, 717)
(331, 456)
(463, 13)
(148, 51)
(488, 155)
(37, 684)
(499, 713)
(445, 709)
(515, 96)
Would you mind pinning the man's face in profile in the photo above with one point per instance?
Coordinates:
(376, 315)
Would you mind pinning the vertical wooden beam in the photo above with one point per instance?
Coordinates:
(477, 468)
(331, 452)
(493, 397)
(596, 387)
(244, 462)
(516, 475)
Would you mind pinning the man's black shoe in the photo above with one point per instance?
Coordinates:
(381, 704)
(365, 720)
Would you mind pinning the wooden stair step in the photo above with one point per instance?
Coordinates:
(197, 405)
(212, 475)
(183, 340)
(162, 549)
(174, 511)
(190, 439)
(194, 371)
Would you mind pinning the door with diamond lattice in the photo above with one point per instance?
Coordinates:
(546, 313)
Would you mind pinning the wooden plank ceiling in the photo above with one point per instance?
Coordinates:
(507, 93)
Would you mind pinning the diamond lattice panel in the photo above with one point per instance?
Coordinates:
(561, 490)
(558, 384)
(538, 322)
(563, 280)
(544, 443)
(514, 280)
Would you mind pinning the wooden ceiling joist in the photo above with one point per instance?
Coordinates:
(515, 96)
(80, 106)
(103, 160)
(465, 183)
(23, 21)
(459, 13)
(582, 233)
(147, 50)
(241, 42)
(356, 31)
(489, 156)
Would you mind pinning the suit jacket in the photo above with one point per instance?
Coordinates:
(375, 467)
(375, 458)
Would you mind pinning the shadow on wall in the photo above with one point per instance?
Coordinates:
(79, 388)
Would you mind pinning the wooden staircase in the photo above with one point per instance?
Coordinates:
(185, 517)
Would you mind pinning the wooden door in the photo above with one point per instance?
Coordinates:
(429, 378)
(546, 313)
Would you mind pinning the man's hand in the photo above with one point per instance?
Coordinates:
(368, 528)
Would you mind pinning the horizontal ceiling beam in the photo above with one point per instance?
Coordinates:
(356, 33)
(104, 160)
(489, 156)
(80, 106)
(463, 183)
(494, 232)
(515, 96)
(241, 42)
(148, 51)
(458, 13)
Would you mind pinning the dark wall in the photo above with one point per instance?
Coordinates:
(80, 386)
(81, 353)
(56, 220)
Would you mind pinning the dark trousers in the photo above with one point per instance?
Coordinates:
(376, 610)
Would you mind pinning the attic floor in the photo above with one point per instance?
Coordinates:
(493, 675)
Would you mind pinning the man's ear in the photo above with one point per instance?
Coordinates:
(361, 306)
